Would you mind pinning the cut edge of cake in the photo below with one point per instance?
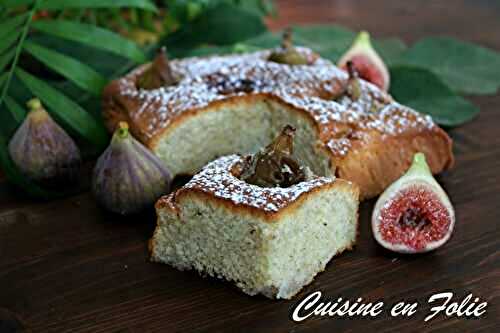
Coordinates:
(274, 251)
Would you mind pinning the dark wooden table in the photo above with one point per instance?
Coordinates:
(67, 266)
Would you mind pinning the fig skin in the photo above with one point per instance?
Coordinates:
(417, 180)
(43, 151)
(127, 177)
(367, 62)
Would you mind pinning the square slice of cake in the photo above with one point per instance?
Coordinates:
(267, 240)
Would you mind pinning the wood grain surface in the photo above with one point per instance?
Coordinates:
(66, 266)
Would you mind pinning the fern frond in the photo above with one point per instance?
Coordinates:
(91, 35)
(18, 26)
(17, 51)
(79, 73)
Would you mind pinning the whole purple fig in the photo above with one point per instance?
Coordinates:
(128, 178)
(43, 151)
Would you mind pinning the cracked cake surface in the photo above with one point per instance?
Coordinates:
(312, 88)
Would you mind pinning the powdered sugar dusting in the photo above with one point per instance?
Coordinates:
(217, 180)
(316, 88)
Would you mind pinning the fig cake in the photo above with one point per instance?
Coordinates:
(221, 105)
(267, 240)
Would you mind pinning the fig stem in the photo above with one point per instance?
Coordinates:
(36, 111)
(286, 43)
(34, 104)
(351, 69)
(122, 130)
(419, 165)
(363, 38)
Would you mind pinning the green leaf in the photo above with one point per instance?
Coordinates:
(12, 24)
(8, 41)
(426, 93)
(330, 41)
(266, 40)
(210, 50)
(15, 109)
(92, 36)
(13, 3)
(221, 25)
(3, 77)
(207, 50)
(390, 49)
(65, 4)
(74, 116)
(6, 58)
(23, 32)
(103, 62)
(465, 67)
(82, 75)
(258, 7)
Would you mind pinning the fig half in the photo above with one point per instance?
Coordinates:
(414, 214)
(366, 61)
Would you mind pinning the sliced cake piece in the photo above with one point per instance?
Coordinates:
(268, 240)
(271, 241)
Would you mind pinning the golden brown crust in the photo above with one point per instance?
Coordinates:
(370, 148)
(267, 216)
(376, 164)
(119, 107)
(217, 184)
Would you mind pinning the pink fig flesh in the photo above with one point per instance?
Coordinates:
(414, 214)
(367, 70)
(414, 218)
(366, 61)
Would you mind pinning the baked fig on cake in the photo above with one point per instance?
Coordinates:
(222, 105)
(288, 54)
(262, 221)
